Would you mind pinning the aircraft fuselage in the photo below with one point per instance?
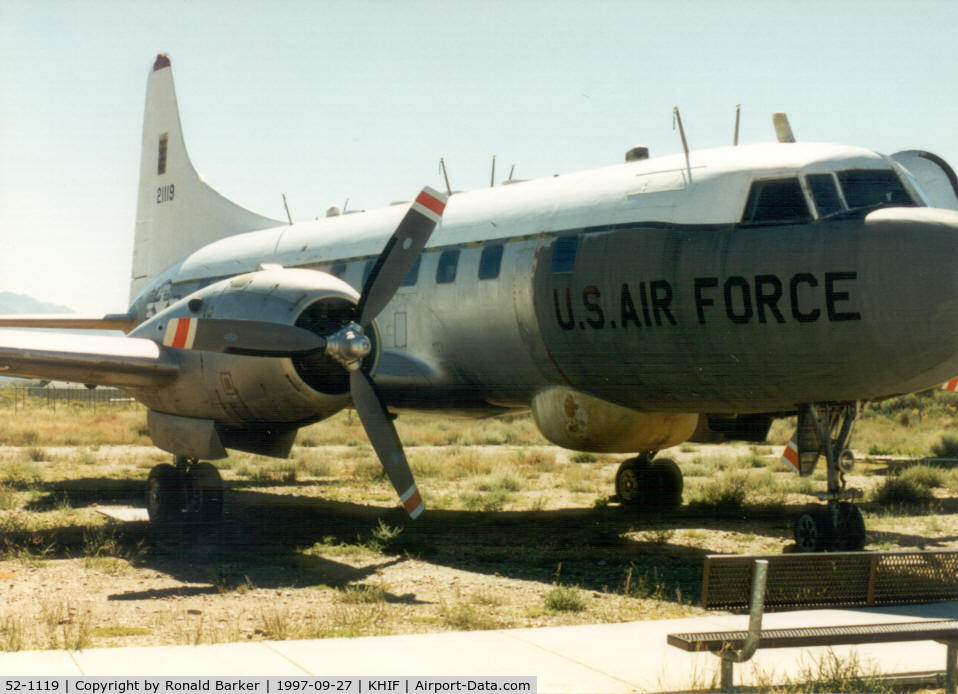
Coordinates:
(658, 285)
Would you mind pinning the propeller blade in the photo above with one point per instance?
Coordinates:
(250, 337)
(400, 254)
(382, 435)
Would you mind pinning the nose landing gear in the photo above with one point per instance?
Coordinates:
(825, 430)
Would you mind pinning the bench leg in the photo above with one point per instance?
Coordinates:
(951, 668)
(727, 681)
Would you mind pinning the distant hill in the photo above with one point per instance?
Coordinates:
(21, 303)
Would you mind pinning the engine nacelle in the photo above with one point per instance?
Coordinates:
(238, 390)
(581, 422)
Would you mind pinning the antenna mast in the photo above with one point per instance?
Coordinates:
(738, 113)
(677, 118)
(442, 165)
(287, 210)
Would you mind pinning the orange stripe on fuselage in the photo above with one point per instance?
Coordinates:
(182, 332)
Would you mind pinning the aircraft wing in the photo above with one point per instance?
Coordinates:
(91, 359)
(72, 321)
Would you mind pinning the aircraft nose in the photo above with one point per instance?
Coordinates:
(912, 263)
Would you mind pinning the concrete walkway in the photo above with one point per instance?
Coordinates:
(605, 658)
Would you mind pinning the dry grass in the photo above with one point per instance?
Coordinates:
(314, 547)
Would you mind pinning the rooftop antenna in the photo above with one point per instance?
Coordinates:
(677, 118)
(442, 165)
(345, 205)
(738, 113)
(286, 205)
(492, 176)
(512, 171)
(783, 131)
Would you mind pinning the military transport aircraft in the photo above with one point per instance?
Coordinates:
(631, 308)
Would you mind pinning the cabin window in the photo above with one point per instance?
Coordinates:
(161, 155)
(338, 269)
(825, 193)
(564, 252)
(413, 275)
(490, 262)
(779, 201)
(367, 270)
(867, 187)
(446, 270)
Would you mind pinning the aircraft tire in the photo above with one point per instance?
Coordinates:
(850, 534)
(663, 484)
(630, 482)
(164, 494)
(814, 530)
(204, 493)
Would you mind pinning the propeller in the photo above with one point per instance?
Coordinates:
(394, 263)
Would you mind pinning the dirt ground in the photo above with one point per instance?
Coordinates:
(300, 558)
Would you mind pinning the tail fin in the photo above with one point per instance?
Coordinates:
(176, 212)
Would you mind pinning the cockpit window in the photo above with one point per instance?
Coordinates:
(825, 193)
(778, 201)
(866, 187)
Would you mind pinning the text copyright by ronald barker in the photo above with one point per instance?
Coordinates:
(265, 685)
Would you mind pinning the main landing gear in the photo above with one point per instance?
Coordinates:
(838, 525)
(188, 490)
(641, 482)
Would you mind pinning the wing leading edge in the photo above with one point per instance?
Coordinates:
(91, 359)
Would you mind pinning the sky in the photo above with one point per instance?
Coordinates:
(329, 101)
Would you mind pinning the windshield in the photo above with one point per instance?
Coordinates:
(866, 187)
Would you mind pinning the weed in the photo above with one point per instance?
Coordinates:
(466, 617)
(8, 497)
(276, 623)
(564, 599)
(724, 493)
(228, 581)
(832, 672)
(947, 447)
(902, 491)
(501, 479)
(924, 475)
(381, 538)
(643, 586)
(35, 454)
(584, 458)
(12, 636)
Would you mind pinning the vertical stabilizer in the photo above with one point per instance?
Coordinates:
(176, 212)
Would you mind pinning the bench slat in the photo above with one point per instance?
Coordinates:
(928, 630)
(837, 579)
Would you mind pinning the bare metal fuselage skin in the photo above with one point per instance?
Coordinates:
(636, 284)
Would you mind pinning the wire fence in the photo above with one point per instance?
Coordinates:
(22, 399)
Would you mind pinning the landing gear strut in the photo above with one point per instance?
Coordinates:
(188, 490)
(641, 482)
(826, 430)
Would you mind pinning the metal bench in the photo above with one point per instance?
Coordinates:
(807, 581)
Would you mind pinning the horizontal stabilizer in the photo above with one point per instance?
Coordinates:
(69, 321)
(91, 359)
